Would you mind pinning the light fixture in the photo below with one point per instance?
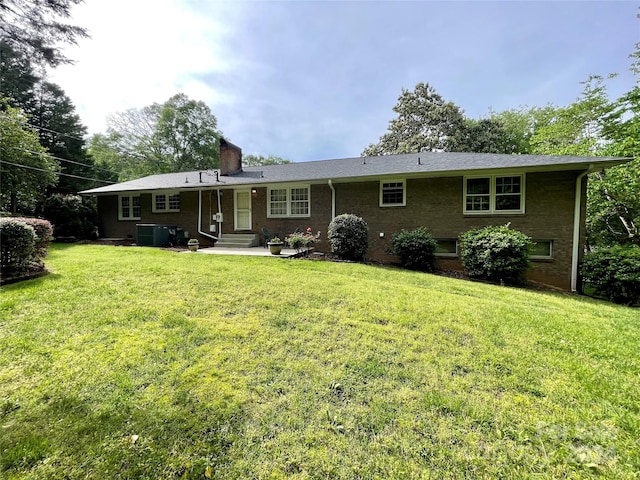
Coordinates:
(254, 190)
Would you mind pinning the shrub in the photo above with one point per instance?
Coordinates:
(348, 236)
(498, 254)
(71, 215)
(415, 248)
(303, 241)
(44, 234)
(614, 273)
(17, 246)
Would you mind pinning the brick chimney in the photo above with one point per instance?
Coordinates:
(230, 158)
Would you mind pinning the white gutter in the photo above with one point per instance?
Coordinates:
(218, 216)
(200, 216)
(575, 249)
(333, 200)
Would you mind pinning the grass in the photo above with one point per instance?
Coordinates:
(142, 363)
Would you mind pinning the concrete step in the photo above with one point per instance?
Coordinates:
(238, 240)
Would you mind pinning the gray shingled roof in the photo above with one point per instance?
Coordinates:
(362, 168)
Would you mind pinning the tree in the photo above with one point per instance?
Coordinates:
(27, 169)
(261, 160)
(36, 28)
(575, 129)
(520, 124)
(425, 123)
(62, 134)
(176, 136)
(17, 78)
(488, 135)
(614, 195)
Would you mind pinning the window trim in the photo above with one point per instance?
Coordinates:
(493, 194)
(130, 197)
(404, 192)
(167, 194)
(288, 188)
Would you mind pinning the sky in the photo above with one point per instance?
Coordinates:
(313, 80)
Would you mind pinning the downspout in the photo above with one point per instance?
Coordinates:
(575, 253)
(200, 217)
(218, 216)
(333, 200)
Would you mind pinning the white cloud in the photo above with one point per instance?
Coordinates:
(139, 53)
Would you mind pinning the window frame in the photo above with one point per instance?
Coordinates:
(167, 194)
(448, 254)
(289, 200)
(543, 257)
(403, 181)
(493, 194)
(131, 206)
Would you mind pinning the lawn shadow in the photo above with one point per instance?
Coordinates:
(16, 283)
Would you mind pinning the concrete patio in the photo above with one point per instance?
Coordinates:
(251, 251)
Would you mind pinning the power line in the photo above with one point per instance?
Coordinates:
(56, 173)
(53, 156)
(42, 128)
(70, 161)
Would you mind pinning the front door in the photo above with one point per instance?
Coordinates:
(242, 212)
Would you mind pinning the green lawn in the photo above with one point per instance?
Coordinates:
(141, 363)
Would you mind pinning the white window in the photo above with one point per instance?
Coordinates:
(166, 202)
(494, 194)
(129, 207)
(393, 193)
(541, 249)
(293, 201)
(446, 247)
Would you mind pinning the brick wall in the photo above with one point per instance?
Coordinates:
(187, 218)
(435, 203)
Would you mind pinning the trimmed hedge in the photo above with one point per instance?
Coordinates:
(415, 248)
(17, 246)
(497, 254)
(614, 273)
(23, 244)
(44, 234)
(348, 236)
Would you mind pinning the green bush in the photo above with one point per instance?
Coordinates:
(44, 234)
(415, 248)
(614, 273)
(71, 215)
(17, 246)
(497, 254)
(348, 236)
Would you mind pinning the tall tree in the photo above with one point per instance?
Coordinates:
(425, 122)
(18, 77)
(614, 195)
(36, 28)
(176, 136)
(62, 134)
(575, 129)
(26, 168)
(520, 125)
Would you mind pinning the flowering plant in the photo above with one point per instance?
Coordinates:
(303, 240)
